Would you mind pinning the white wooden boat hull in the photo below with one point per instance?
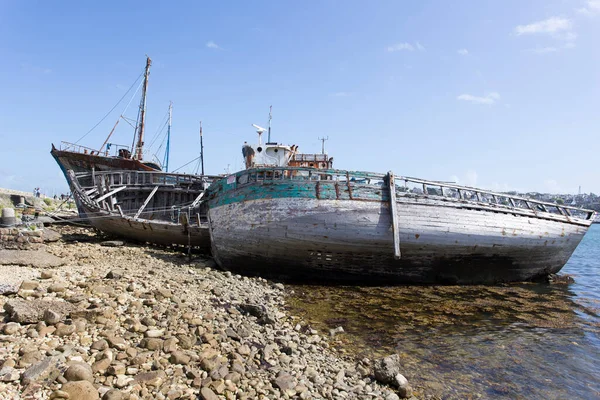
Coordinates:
(440, 242)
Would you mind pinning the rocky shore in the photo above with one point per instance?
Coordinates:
(136, 322)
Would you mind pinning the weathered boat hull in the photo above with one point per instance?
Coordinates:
(155, 208)
(290, 233)
(80, 162)
(156, 232)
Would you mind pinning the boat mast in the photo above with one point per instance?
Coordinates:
(323, 139)
(166, 160)
(139, 148)
(201, 150)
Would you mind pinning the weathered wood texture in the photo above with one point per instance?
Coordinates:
(343, 231)
(143, 206)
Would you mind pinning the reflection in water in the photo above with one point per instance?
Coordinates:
(516, 341)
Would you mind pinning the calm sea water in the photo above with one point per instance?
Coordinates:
(525, 341)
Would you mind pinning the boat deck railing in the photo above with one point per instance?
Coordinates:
(77, 148)
(413, 186)
(115, 179)
(310, 157)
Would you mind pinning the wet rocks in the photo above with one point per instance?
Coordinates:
(387, 371)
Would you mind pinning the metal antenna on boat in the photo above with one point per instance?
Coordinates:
(260, 131)
(270, 118)
(323, 144)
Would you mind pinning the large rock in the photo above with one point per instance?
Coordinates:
(179, 357)
(9, 374)
(11, 328)
(79, 371)
(44, 372)
(34, 258)
(50, 235)
(284, 382)
(113, 394)
(6, 289)
(263, 315)
(387, 371)
(81, 390)
(207, 394)
(32, 311)
(51, 317)
(153, 378)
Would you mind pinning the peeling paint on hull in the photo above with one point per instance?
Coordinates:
(351, 240)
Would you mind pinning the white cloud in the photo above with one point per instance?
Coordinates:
(213, 45)
(469, 179)
(463, 52)
(551, 25)
(405, 46)
(592, 8)
(488, 99)
(400, 47)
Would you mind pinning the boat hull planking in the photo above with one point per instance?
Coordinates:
(351, 240)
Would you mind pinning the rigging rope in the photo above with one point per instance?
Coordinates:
(112, 109)
(185, 165)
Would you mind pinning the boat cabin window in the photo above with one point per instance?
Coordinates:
(242, 179)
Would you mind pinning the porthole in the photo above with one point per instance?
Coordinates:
(259, 149)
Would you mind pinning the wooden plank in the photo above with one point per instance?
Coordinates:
(137, 214)
(91, 191)
(197, 200)
(104, 196)
(394, 215)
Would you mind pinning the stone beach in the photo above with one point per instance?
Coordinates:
(137, 322)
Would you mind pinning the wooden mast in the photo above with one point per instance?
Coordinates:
(201, 150)
(139, 148)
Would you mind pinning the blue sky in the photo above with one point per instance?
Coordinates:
(498, 94)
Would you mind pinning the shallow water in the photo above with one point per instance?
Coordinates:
(523, 341)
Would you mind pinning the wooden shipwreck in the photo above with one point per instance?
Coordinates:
(302, 222)
(156, 207)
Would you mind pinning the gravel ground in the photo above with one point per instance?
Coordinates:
(136, 322)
